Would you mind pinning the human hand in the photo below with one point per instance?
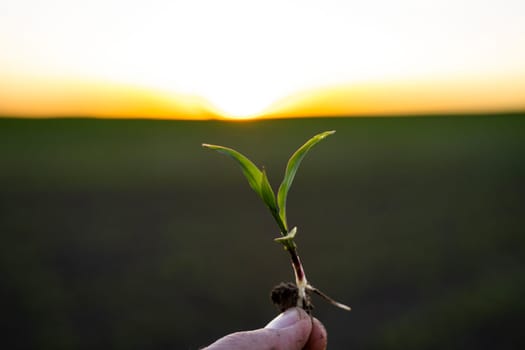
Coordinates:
(294, 329)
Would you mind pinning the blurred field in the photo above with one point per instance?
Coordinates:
(126, 234)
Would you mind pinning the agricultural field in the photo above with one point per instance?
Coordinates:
(127, 234)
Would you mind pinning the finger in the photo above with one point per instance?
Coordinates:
(318, 336)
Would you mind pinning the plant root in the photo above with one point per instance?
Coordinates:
(286, 295)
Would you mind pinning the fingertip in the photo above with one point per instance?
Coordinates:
(288, 318)
(318, 336)
(290, 330)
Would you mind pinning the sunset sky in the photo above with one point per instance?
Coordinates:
(206, 59)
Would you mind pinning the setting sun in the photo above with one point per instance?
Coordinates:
(238, 59)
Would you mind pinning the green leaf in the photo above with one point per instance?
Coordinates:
(291, 170)
(267, 194)
(250, 170)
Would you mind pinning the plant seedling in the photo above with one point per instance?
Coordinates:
(286, 294)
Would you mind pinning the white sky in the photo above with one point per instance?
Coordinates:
(243, 55)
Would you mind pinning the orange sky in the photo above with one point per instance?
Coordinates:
(56, 98)
(407, 98)
(52, 98)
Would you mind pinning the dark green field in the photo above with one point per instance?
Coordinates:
(126, 234)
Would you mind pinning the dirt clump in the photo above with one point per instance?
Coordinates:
(285, 295)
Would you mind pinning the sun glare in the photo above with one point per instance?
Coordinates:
(238, 103)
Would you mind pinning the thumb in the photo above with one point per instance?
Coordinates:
(291, 329)
(292, 320)
(288, 331)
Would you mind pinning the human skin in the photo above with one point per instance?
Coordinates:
(294, 329)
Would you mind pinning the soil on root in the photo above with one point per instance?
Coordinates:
(285, 295)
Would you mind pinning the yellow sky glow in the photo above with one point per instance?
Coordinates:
(206, 59)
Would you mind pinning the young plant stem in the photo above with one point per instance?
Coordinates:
(300, 278)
